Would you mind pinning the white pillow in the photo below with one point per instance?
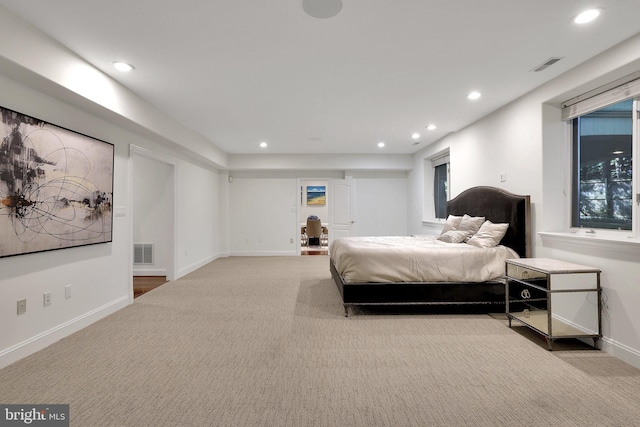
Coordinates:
(489, 235)
(451, 223)
(453, 236)
(471, 223)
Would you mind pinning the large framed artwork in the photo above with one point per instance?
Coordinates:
(56, 187)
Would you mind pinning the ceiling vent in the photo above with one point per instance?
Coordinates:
(547, 63)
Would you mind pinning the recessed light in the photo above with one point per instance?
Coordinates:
(380, 144)
(432, 127)
(474, 95)
(322, 9)
(123, 66)
(415, 136)
(587, 16)
(263, 144)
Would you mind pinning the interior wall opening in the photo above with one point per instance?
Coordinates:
(314, 217)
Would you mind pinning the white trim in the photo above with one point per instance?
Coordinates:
(436, 223)
(624, 244)
(46, 338)
(149, 271)
(621, 351)
(196, 265)
(264, 253)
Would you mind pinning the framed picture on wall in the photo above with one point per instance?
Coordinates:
(56, 187)
(316, 195)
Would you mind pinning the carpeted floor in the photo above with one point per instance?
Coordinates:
(263, 342)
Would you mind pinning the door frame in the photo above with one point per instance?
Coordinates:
(134, 151)
(299, 197)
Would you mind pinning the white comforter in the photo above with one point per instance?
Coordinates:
(416, 259)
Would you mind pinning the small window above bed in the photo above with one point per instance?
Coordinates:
(440, 167)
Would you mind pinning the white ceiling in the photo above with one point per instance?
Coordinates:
(244, 71)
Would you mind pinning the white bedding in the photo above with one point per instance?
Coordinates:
(416, 259)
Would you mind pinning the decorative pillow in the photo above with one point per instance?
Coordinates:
(489, 235)
(453, 236)
(451, 223)
(470, 224)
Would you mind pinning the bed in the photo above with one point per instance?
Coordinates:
(484, 291)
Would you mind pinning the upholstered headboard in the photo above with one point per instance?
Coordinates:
(498, 206)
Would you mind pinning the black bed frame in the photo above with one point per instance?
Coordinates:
(496, 205)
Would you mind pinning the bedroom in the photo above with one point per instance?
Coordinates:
(524, 139)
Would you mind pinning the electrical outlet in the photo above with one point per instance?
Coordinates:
(22, 306)
(291, 240)
(46, 299)
(67, 292)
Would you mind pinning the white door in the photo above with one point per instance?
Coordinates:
(341, 208)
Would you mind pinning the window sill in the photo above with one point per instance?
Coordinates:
(434, 222)
(601, 241)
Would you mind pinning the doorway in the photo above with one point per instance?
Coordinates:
(314, 217)
(152, 203)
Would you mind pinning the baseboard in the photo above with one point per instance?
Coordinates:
(149, 271)
(45, 339)
(609, 346)
(193, 267)
(270, 253)
(621, 351)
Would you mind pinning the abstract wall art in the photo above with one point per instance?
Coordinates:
(56, 187)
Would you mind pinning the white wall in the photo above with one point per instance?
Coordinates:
(527, 141)
(197, 216)
(263, 216)
(381, 204)
(263, 209)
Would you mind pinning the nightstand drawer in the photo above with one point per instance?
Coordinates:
(524, 273)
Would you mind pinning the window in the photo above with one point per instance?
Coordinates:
(440, 185)
(604, 127)
(602, 168)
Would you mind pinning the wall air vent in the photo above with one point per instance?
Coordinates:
(547, 63)
(143, 253)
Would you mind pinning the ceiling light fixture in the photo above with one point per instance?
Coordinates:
(123, 66)
(263, 144)
(587, 16)
(474, 95)
(322, 9)
(415, 136)
(380, 144)
(432, 127)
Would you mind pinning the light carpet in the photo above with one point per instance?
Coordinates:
(263, 341)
